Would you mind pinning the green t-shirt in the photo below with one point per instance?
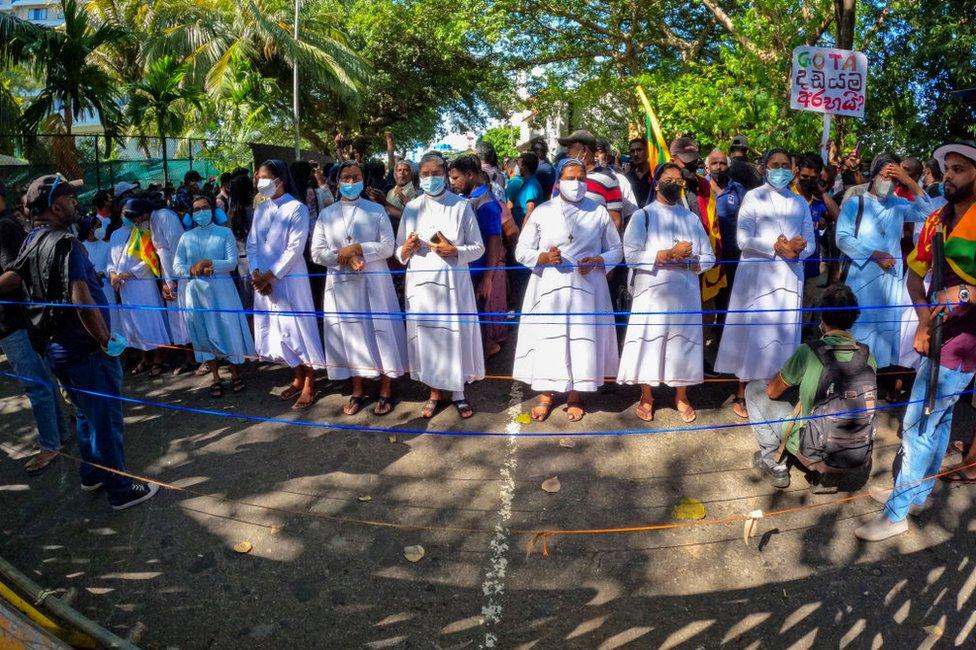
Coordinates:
(803, 369)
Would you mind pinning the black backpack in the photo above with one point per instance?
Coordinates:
(839, 435)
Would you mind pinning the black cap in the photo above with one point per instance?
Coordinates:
(739, 142)
(42, 191)
(137, 206)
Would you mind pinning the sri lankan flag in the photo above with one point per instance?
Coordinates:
(714, 279)
(657, 147)
(141, 247)
(960, 245)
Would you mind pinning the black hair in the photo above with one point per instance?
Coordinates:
(206, 196)
(102, 198)
(810, 161)
(486, 151)
(301, 173)
(241, 198)
(882, 159)
(663, 167)
(466, 165)
(642, 141)
(349, 163)
(840, 308)
(225, 178)
(603, 145)
(935, 169)
(913, 167)
(775, 150)
(530, 161)
(241, 171)
(373, 170)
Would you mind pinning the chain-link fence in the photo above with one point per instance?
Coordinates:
(102, 164)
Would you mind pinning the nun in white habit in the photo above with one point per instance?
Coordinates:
(668, 248)
(438, 237)
(275, 256)
(763, 326)
(140, 318)
(364, 333)
(567, 341)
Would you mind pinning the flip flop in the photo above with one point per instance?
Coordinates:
(301, 406)
(383, 405)
(237, 385)
(139, 368)
(740, 401)
(645, 412)
(204, 369)
(180, 369)
(354, 405)
(216, 390)
(463, 408)
(429, 409)
(570, 416)
(958, 478)
(537, 409)
(688, 415)
(289, 393)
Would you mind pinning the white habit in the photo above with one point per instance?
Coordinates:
(664, 347)
(223, 332)
(567, 337)
(756, 343)
(444, 348)
(98, 252)
(276, 242)
(145, 327)
(363, 331)
(166, 231)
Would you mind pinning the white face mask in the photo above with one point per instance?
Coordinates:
(267, 187)
(883, 188)
(572, 191)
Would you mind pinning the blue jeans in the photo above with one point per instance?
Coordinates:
(99, 419)
(40, 388)
(922, 449)
(762, 410)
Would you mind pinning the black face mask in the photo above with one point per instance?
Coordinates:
(722, 178)
(810, 186)
(670, 191)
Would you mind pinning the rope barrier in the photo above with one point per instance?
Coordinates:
(463, 434)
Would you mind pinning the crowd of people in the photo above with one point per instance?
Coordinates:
(712, 263)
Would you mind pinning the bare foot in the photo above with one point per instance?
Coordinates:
(541, 410)
(575, 412)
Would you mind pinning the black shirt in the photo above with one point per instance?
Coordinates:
(641, 185)
(745, 173)
(12, 317)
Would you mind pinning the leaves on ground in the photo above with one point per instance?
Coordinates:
(551, 485)
(243, 547)
(413, 553)
(689, 509)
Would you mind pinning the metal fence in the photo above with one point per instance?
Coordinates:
(101, 164)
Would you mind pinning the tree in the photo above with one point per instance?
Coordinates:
(163, 100)
(504, 139)
(73, 83)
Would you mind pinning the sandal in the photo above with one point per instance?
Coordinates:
(180, 369)
(645, 411)
(383, 405)
(429, 409)
(40, 462)
(204, 369)
(237, 385)
(741, 411)
(463, 408)
(302, 404)
(577, 414)
(156, 370)
(289, 393)
(540, 412)
(355, 405)
(216, 390)
(688, 415)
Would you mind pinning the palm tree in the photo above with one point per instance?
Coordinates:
(162, 100)
(73, 82)
(220, 36)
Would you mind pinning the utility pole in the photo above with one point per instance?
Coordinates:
(294, 90)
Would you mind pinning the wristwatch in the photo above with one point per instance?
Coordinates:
(964, 295)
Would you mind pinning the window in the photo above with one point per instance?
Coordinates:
(37, 14)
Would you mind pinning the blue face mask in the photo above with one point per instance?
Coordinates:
(779, 178)
(432, 185)
(202, 217)
(351, 190)
(220, 217)
(127, 222)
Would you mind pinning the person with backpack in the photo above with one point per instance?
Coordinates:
(53, 269)
(830, 428)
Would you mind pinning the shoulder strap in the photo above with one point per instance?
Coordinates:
(860, 214)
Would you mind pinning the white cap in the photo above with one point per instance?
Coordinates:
(965, 148)
(124, 186)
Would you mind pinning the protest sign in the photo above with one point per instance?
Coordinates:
(831, 81)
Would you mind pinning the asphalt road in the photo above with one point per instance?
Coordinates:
(328, 513)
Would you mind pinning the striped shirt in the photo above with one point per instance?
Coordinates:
(602, 186)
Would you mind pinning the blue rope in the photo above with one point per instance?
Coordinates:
(468, 434)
